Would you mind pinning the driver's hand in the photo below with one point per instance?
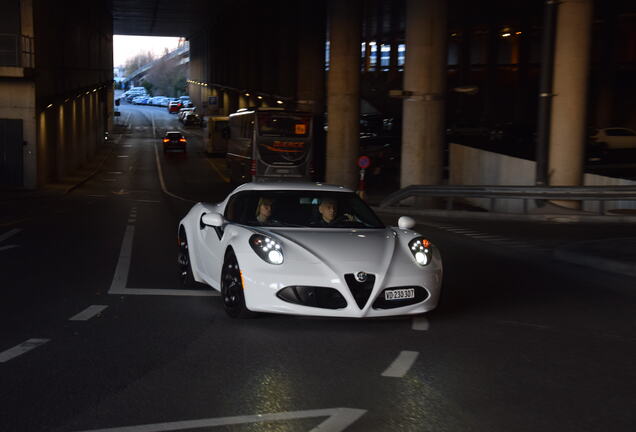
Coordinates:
(350, 217)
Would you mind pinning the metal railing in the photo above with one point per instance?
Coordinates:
(602, 194)
(16, 50)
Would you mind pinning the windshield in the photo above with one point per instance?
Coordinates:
(283, 125)
(301, 209)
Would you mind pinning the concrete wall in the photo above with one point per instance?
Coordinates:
(73, 79)
(471, 166)
(17, 101)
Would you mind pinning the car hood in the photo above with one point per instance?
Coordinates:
(343, 250)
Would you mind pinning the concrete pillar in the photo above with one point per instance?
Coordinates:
(569, 104)
(425, 78)
(343, 92)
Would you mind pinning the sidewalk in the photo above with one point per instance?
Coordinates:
(614, 255)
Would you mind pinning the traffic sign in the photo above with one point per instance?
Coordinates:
(364, 162)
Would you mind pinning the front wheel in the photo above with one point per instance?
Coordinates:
(232, 288)
(183, 262)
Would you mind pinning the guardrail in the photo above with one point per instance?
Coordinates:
(16, 50)
(602, 194)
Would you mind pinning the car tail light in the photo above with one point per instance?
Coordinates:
(166, 140)
(182, 140)
(253, 167)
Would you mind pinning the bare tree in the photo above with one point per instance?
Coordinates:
(134, 63)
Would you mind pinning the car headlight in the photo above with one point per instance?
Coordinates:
(268, 249)
(422, 250)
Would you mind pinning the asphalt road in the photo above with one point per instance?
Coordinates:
(520, 342)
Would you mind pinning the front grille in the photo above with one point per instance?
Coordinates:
(320, 297)
(380, 303)
(360, 290)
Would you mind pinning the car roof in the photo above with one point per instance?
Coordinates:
(173, 132)
(322, 187)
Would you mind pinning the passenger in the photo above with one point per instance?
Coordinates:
(264, 210)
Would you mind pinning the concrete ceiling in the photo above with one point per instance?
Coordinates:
(160, 17)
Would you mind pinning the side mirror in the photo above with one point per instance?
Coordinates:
(406, 222)
(213, 219)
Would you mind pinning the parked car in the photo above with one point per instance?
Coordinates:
(174, 140)
(614, 138)
(307, 249)
(185, 100)
(174, 107)
(183, 112)
(192, 119)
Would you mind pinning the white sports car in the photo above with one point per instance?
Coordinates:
(307, 249)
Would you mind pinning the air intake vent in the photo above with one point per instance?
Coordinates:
(360, 290)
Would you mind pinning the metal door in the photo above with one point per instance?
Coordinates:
(11, 153)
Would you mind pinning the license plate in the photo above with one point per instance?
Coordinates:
(282, 171)
(399, 294)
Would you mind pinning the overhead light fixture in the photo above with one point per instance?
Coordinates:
(247, 94)
(259, 97)
(49, 106)
(280, 102)
(505, 35)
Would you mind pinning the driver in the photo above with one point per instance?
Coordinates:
(328, 210)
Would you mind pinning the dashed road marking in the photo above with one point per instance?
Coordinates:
(421, 323)
(9, 234)
(338, 420)
(18, 350)
(88, 313)
(401, 364)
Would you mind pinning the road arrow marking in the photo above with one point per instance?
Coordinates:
(339, 419)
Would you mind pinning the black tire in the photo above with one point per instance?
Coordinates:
(232, 288)
(183, 261)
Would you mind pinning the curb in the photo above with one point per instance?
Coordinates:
(597, 262)
(97, 170)
(463, 214)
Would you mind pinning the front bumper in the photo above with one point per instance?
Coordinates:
(289, 291)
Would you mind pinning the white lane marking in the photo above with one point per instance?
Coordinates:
(120, 278)
(122, 156)
(162, 182)
(401, 364)
(165, 292)
(24, 347)
(339, 419)
(421, 323)
(8, 247)
(9, 234)
(88, 313)
(114, 172)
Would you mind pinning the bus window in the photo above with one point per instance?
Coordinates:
(273, 124)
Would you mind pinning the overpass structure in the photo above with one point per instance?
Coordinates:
(319, 56)
(181, 55)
